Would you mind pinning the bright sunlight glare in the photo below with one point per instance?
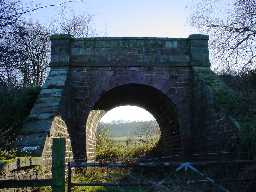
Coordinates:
(127, 113)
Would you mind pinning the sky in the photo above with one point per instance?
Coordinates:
(160, 18)
(142, 18)
(127, 113)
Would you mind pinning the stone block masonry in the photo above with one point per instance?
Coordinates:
(38, 124)
(126, 51)
(90, 76)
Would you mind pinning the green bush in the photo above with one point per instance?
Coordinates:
(15, 105)
(245, 110)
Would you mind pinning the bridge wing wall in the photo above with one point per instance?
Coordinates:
(37, 126)
(214, 126)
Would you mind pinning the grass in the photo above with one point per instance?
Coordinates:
(114, 149)
(103, 175)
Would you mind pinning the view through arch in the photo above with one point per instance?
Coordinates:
(126, 132)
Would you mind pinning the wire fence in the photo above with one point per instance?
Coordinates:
(26, 177)
(223, 176)
(143, 174)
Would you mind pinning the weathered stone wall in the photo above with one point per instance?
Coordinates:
(58, 129)
(98, 65)
(216, 131)
(174, 83)
(92, 75)
(91, 126)
(38, 125)
(125, 51)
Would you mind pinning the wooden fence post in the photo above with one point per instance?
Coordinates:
(58, 165)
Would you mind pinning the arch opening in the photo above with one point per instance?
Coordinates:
(146, 97)
(126, 132)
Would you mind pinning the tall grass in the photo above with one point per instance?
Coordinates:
(108, 149)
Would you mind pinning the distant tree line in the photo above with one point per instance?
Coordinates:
(130, 128)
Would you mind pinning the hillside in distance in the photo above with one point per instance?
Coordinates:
(130, 128)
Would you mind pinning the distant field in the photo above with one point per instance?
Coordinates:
(130, 129)
(125, 138)
(132, 140)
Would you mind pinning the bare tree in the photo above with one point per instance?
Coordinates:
(24, 55)
(11, 11)
(77, 25)
(24, 46)
(9, 14)
(21, 46)
(232, 29)
(34, 54)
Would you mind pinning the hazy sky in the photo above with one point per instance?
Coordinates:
(165, 18)
(130, 113)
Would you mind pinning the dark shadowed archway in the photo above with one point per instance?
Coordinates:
(147, 97)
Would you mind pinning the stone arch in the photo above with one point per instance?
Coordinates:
(147, 97)
(87, 74)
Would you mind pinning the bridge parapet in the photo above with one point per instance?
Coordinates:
(130, 51)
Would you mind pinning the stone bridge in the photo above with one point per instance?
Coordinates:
(169, 77)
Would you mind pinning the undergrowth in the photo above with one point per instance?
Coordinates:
(15, 105)
(108, 149)
(235, 95)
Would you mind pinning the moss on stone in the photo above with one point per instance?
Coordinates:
(224, 96)
(230, 101)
